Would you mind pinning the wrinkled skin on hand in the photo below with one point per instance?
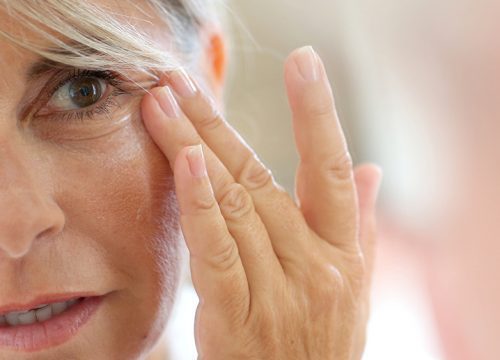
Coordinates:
(277, 277)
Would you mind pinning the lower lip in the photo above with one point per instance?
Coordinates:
(53, 332)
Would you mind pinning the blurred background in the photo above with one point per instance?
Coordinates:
(415, 83)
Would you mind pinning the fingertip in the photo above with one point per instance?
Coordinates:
(149, 104)
(194, 189)
(196, 160)
(145, 102)
(305, 62)
(368, 178)
(306, 81)
(181, 165)
(304, 65)
(163, 78)
(291, 72)
(190, 163)
(180, 169)
(147, 107)
(368, 173)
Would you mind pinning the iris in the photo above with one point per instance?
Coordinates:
(85, 92)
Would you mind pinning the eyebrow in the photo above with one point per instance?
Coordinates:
(43, 66)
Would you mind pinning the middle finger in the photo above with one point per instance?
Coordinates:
(284, 221)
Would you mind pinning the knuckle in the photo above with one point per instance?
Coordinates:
(340, 167)
(328, 285)
(210, 119)
(232, 286)
(236, 202)
(225, 256)
(357, 274)
(254, 174)
(323, 285)
(320, 108)
(202, 204)
(332, 283)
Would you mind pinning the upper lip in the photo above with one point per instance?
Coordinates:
(41, 300)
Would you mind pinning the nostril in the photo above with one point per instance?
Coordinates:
(52, 221)
(45, 233)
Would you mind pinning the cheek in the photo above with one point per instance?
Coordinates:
(119, 193)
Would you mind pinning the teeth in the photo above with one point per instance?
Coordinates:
(59, 307)
(44, 313)
(12, 318)
(40, 313)
(27, 317)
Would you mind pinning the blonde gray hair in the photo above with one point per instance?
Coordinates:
(85, 35)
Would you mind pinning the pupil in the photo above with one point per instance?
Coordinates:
(85, 92)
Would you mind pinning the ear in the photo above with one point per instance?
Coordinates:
(213, 62)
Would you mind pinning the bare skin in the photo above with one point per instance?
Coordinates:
(88, 206)
(100, 206)
(275, 279)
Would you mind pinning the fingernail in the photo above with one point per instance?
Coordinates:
(182, 84)
(167, 102)
(196, 161)
(308, 63)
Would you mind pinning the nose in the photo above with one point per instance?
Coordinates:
(27, 211)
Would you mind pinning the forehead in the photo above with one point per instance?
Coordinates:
(15, 58)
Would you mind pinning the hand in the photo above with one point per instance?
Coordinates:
(277, 278)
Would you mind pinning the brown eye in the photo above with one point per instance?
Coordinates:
(75, 94)
(85, 92)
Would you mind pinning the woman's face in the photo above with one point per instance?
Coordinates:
(88, 210)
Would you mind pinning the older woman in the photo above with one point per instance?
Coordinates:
(113, 152)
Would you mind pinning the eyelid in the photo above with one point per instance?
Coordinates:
(107, 92)
(106, 75)
(112, 79)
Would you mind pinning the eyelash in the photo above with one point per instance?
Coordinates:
(102, 106)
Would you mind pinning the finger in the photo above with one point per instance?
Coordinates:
(367, 178)
(216, 267)
(172, 131)
(283, 220)
(324, 181)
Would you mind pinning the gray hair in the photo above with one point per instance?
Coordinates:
(85, 35)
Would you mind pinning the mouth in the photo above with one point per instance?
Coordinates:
(40, 326)
(39, 313)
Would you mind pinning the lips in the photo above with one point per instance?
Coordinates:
(36, 327)
(40, 313)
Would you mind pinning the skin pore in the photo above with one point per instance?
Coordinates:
(90, 206)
